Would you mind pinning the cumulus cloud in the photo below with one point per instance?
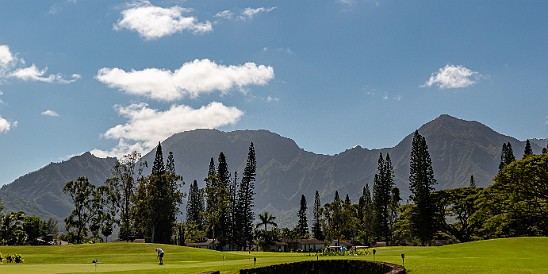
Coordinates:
(190, 80)
(32, 73)
(50, 113)
(13, 67)
(243, 15)
(6, 57)
(6, 125)
(146, 126)
(452, 76)
(152, 22)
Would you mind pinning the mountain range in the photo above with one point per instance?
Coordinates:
(458, 148)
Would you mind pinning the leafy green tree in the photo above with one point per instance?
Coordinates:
(122, 185)
(421, 184)
(528, 151)
(456, 209)
(52, 226)
(34, 228)
(12, 230)
(333, 219)
(244, 213)
(80, 193)
(105, 205)
(317, 222)
(517, 203)
(302, 226)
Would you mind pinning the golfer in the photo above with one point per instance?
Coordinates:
(160, 255)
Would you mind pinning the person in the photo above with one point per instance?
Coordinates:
(160, 255)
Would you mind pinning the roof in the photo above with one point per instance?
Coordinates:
(206, 243)
(310, 242)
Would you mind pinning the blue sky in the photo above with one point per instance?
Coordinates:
(114, 76)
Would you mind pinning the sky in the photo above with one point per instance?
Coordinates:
(114, 76)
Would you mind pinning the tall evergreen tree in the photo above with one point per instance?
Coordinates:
(317, 222)
(528, 151)
(472, 181)
(194, 206)
(232, 223)
(545, 149)
(506, 156)
(223, 205)
(245, 216)
(302, 226)
(211, 200)
(365, 215)
(158, 198)
(382, 188)
(421, 184)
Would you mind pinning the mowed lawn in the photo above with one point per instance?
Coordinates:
(512, 255)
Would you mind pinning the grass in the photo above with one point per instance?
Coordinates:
(512, 255)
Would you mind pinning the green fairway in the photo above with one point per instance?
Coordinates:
(513, 255)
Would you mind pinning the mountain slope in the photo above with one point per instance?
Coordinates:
(41, 192)
(458, 149)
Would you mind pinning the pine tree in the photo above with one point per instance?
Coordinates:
(194, 206)
(365, 215)
(223, 205)
(317, 223)
(382, 187)
(245, 215)
(506, 156)
(302, 226)
(157, 199)
(421, 184)
(211, 200)
(233, 224)
(528, 151)
(472, 181)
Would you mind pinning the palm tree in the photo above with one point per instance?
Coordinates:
(266, 219)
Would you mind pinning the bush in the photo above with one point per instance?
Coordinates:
(14, 258)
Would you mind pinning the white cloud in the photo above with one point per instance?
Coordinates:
(34, 74)
(270, 99)
(146, 126)
(6, 125)
(50, 113)
(7, 59)
(12, 67)
(245, 14)
(190, 80)
(250, 12)
(226, 14)
(152, 22)
(452, 76)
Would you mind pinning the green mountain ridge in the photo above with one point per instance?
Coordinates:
(458, 149)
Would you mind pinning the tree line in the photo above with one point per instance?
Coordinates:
(16, 228)
(515, 205)
(142, 206)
